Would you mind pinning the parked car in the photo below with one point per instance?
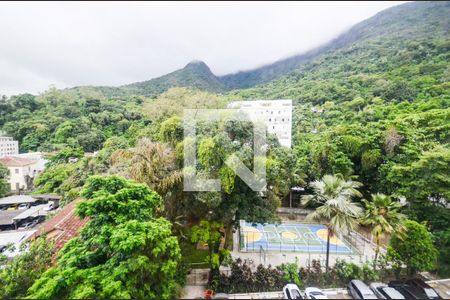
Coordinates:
(427, 289)
(408, 291)
(314, 293)
(49, 207)
(291, 291)
(29, 224)
(359, 290)
(24, 206)
(383, 291)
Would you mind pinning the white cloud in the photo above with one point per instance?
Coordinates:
(113, 43)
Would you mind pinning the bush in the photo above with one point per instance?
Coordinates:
(314, 275)
(243, 280)
(415, 248)
(265, 279)
(348, 271)
(290, 273)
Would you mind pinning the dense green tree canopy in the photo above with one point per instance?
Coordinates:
(125, 251)
(18, 274)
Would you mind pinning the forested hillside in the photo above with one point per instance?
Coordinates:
(379, 110)
(404, 22)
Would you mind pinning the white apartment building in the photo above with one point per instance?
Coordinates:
(8, 146)
(21, 172)
(276, 113)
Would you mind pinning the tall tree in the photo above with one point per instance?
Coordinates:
(383, 216)
(123, 252)
(336, 210)
(4, 184)
(150, 163)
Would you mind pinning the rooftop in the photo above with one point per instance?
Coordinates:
(11, 161)
(63, 226)
(47, 197)
(7, 216)
(33, 211)
(17, 199)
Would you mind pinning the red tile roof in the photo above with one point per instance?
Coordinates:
(63, 226)
(11, 161)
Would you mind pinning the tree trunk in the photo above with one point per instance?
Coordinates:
(327, 264)
(377, 251)
(210, 257)
(228, 233)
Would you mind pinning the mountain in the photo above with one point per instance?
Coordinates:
(390, 28)
(195, 74)
(405, 46)
(405, 21)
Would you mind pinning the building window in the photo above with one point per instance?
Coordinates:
(17, 171)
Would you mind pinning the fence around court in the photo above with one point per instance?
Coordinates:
(353, 244)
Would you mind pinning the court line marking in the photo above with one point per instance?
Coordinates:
(309, 234)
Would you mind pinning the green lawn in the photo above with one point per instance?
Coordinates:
(193, 256)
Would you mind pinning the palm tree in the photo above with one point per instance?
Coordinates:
(150, 163)
(336, 210)
(383, 216)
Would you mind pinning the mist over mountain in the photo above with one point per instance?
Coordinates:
(411, 21)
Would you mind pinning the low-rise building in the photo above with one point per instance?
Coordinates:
(36, 156)
(8, 146)
(22, 171)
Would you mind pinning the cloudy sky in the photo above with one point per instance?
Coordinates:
(71, 44)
